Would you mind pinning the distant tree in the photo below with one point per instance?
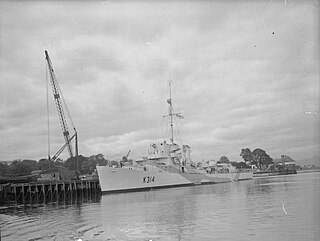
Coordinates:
(58, 162)
(103, 162)
(234, 164)
(73, 163)
(241, 165)
(45, 164)
(100, 160)
(224, 159)
(3, 168)
(24, 167)
(86, 165)
(246, 155)
(260, 158)
(114, 163)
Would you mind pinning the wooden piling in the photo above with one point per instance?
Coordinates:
(22, 194)
(43, 193)
(15, 194)
(59, 191)
(30, 195)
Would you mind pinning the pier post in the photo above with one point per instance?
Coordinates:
(30, 197)
(89, 190)
(70, 188)
(37, 193)
(64, 192)
(43, 193)
(82, 191)
(23, 201)
(75, 188)
(51, 192)
(15, 194)
(87, 184)
(57, 193)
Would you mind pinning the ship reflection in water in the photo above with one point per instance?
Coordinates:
(276, 208)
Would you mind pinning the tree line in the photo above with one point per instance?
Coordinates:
(258, 157)
(84, 165)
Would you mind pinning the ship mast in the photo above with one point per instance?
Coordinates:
(172, 114)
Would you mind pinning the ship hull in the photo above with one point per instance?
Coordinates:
(114, 180)
(120, 179)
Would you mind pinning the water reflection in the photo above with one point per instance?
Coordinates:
(54, 221)
(163, 211)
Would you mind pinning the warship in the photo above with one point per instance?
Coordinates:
(168, 164)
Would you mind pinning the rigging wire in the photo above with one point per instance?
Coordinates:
(66, 107)
(48, 120)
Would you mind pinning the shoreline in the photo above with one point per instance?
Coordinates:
(308, 170)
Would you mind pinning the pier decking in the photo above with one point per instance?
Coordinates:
(45, 192)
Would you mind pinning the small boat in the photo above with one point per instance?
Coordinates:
(167, 164)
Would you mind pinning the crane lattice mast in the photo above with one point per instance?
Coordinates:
(58, 98)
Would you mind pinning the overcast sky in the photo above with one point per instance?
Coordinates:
(244, 74)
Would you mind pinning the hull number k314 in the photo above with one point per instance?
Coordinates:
(148, 179)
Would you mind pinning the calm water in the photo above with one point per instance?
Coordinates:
(276, 208)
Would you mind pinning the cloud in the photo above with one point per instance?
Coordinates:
(243, 74)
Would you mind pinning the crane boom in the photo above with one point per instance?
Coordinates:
(57, 98)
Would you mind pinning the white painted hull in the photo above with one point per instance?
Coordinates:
(121, 179)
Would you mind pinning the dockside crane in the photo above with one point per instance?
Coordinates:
(59, 101)
(128, 153)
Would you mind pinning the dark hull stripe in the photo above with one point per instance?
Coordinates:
(146, 188)
(163, 187)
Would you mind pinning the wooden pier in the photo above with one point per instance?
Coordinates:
(46, 192)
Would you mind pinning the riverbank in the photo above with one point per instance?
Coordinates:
(273, 173)
(308, 170)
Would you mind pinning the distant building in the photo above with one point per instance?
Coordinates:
(36, 172)
(284, 163)
(60, 174)
(49, 176)
(253, 166)
(6, 162)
